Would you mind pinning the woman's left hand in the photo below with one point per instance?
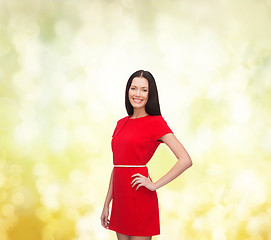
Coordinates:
(142, 181)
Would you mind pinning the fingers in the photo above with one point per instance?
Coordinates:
(135, 181)
(105, 222)
(138, 179)
(104, 219)
(137, 175)
(139, 185)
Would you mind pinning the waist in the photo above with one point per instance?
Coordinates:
(129, 165)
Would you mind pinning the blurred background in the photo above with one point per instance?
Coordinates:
(64, 65)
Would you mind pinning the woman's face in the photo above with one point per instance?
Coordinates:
(138, 92)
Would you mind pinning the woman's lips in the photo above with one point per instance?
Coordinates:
(137, 100)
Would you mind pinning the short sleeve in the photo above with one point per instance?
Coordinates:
(115, 131)
(119, 126)
(160, 128)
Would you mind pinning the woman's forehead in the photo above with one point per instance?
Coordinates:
(140, 82)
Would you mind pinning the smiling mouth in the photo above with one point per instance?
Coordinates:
(137, 100)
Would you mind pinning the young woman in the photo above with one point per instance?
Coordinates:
(135, 213)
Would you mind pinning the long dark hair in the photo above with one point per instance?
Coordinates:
(152, 106)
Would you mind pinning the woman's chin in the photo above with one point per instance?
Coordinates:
(137, 106)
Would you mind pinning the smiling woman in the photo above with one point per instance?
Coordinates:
(135, 212)
(138, 94)
(141, 85)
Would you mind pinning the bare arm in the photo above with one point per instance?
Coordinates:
(105, 212)
(183, 163)
(109, 192)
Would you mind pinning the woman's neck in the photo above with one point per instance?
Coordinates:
(139, 113)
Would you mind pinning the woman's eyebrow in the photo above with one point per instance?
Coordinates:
(136, 86)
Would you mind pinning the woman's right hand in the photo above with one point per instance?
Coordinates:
(104, 217)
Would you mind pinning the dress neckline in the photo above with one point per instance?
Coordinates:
(137, 118)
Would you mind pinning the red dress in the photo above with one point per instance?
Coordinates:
(134, 141)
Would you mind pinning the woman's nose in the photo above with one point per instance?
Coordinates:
(138, 93)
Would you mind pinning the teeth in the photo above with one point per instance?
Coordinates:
(137, 100)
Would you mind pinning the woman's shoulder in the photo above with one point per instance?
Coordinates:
(155, 120)
(123, 119)
(156, 117)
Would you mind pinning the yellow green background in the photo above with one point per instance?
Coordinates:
(64, 65)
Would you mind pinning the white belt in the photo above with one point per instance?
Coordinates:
(129, 165)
